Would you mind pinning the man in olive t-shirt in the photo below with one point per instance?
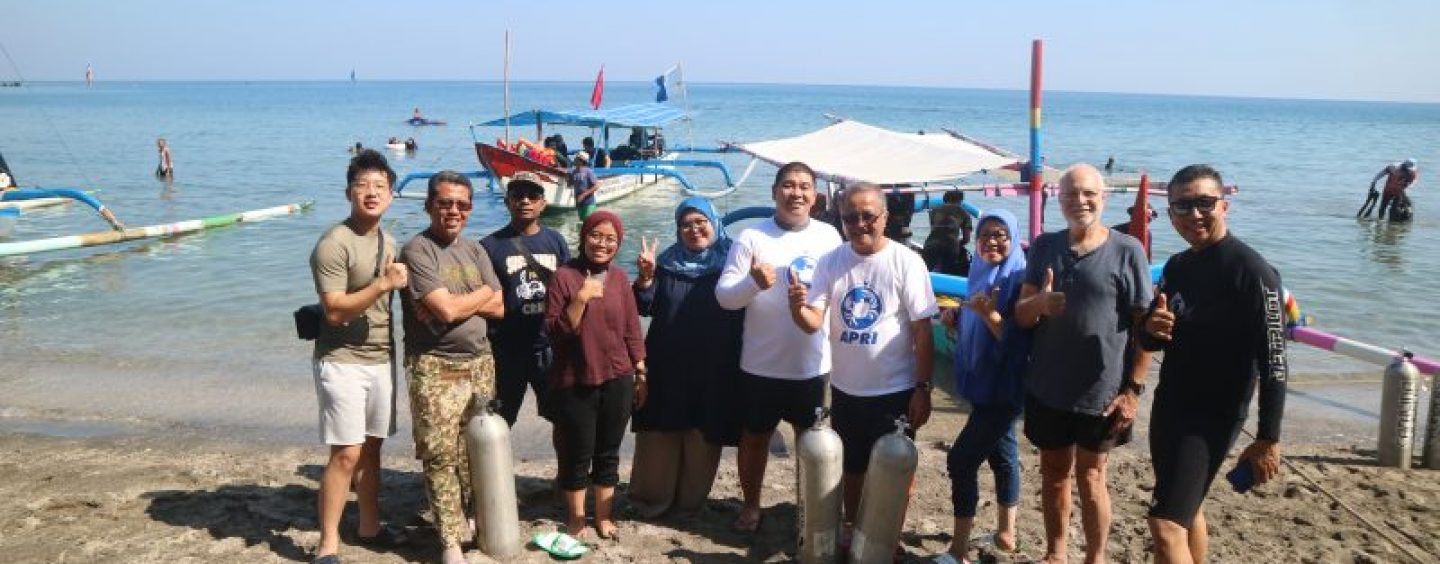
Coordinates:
(353, 378)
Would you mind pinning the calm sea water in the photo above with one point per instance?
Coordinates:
(196, 331)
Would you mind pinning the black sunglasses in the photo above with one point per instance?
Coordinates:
(858, 218)
(1205, 204)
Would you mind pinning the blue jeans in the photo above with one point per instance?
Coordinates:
(989, 434)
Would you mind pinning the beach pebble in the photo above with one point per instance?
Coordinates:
(1302, 520)
(1362, 557)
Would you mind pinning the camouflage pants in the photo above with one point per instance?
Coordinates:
(442, 400)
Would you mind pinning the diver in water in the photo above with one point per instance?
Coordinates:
(1398, 177)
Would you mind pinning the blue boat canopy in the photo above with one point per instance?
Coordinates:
(635, 115)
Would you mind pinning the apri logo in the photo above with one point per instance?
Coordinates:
(861, 307)
(804, 268)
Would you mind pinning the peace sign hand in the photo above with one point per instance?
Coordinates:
(983, 304)
(645, 263)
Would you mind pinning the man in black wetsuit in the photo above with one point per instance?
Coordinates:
(1219, 316)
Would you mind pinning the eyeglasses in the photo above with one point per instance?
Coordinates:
(996, 236)
(367, 187)
(524, 196)
(596, 238)
(859, 218)
(1205, 204)
(460, 205)
(695, 225)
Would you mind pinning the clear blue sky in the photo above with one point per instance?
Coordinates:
(1338, 49)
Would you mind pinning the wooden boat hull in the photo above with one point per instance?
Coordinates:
(559, 196)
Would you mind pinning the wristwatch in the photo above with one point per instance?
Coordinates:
(1133, 386)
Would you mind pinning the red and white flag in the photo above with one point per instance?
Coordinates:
(599, 92)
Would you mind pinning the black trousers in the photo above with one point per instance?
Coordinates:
(593, 420)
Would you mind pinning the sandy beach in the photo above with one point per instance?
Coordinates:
(150, 498)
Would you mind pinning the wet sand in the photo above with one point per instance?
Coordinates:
(149, 497)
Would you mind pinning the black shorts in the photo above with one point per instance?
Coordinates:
(1187, 451)
(516, 369)
(1049, 428)
(766, 401)
(862, 420)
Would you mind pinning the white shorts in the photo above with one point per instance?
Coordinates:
(356, 401)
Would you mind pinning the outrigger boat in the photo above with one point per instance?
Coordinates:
(651, 164)
(147, 232)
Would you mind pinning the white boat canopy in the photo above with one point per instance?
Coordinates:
(848, 151)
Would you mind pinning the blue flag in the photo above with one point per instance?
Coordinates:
(661, 95)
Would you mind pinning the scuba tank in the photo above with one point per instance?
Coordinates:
(1397, 412)
(820, 468)
(885, 496)
(492, 482)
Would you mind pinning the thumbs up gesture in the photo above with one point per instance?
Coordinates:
(762, 272)
(798, 293)
(394, 274)
(1052, 303)
(1160, 322)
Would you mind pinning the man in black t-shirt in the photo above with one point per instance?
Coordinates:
(525, 255)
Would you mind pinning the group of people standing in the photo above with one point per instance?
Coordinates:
(755, 330)
(1061, 337)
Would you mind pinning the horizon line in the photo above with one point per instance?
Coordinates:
(741, 83)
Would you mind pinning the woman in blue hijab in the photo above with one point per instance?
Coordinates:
(693, 355)
(990, 355)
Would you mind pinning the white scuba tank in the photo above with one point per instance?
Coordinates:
(1397, 413)
(886, 493)
(492, 481)
(820, 468)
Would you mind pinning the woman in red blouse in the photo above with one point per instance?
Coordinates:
(599, 369)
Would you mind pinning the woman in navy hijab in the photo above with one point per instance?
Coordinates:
(693, 356)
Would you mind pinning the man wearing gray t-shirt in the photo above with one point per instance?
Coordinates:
(1085, 290)
(453, 290)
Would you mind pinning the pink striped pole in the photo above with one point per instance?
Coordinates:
(1037, 172)
(1358, 350)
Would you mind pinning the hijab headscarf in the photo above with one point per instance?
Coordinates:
(595, 219)
(987, 370)
(677, 259)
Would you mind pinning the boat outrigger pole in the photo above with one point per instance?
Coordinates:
(1037, 172)
(71, 193)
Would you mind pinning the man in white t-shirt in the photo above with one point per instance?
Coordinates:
(782, 368)
(877, 299)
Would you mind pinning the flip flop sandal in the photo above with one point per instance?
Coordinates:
(947, 558)
(560, 545)
(387, 537)
(751, 529)
(989, 539)
(327, 559)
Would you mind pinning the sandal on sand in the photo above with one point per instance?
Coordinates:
(947, 558)
(327, 559)
(560, 545)
(993, 540)
(387, 537)
(747, 528)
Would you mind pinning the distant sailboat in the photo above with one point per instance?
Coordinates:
(352, 75)
(89, 75)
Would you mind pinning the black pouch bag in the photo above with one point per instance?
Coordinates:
(309, 317)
